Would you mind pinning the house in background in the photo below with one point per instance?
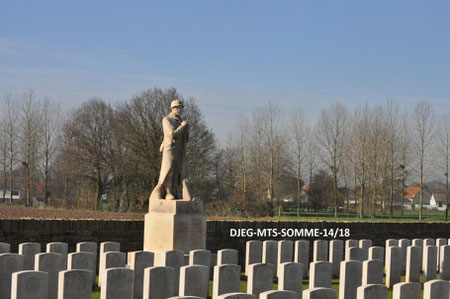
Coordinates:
(17, 196)
(439, 200)
(431, 200)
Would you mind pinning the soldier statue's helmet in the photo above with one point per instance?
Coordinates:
(176, 103)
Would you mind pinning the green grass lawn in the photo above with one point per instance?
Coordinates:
(409, 216)
(335, 285)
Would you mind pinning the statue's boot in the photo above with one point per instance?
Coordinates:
(169, 194)
(157, 193)
(186, 193)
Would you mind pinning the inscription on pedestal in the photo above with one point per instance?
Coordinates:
(190, 234)
(175, 225)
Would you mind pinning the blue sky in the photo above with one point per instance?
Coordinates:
(232, 56)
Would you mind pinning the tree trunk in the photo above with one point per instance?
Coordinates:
(99, 190)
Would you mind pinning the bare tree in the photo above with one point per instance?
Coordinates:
(423, 121)
(274, 143)
(376, 148)
(3, 152)
(88, 136)
(405, 155)
(139, 129)
(347, 174)
(392, 147)
(360, 141)
(443, 151)
(242, 145)
(200, 150)
(51, 116)
(332, 131)
(30, 138)
(257, 152)
(298, 134)
(11, 126)
(311, 152)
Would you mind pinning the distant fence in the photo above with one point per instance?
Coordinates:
(130, 233)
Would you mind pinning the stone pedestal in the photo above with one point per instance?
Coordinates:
(175, 225)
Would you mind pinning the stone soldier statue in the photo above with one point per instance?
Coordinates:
(174, 165)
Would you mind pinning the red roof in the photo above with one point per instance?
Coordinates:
(306, 188)
(410, 192)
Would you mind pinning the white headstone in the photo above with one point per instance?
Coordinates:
(393, 267)
(320, 251)
(75, 284)
(389, 243)
(194, 281)
(52, 263)
(319, 293)
(365, 244)
(105, 247)
(109, 246)
(90, 247)
(350, 243)
(320, 275)
(435, 289)
(353, 254)
(417, 242)
(227, 279)
(111, 259)
(174, 259)
(376, 253)
(439, 243)
(407, 290)
(301, 254)
(29, 284)
(138, 261)
(372, 291)
(290, 278)
(403, 244)
(285, 253)
(429, 263)
(444, 265)
(372, 272)
(159, 282)
(5, 247)
(9, 263)
(278, 295)
(82, 260)
(426, 242)
(270, 253)
(200, 257)
(227, 256)
(260, 278)
(29, 250)
(429, 242)
(350, 278)
(61, 248)
(117, 283)
(413, 263)
(253, 253)
(336, 255)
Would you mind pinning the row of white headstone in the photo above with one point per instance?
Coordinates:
(57, 274)
(166, 274)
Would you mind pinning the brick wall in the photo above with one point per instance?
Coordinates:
(130, 233)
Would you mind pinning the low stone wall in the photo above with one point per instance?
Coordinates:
(130, 233)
